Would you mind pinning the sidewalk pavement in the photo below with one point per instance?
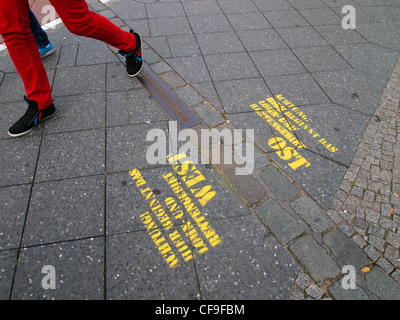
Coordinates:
(78, 194)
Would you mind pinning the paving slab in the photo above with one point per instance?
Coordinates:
(64, 210)
(279, 221)
(382, 285)
(345, 249)
(14, 205)
(86, 260)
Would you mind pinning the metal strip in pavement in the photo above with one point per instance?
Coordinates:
(168, 100)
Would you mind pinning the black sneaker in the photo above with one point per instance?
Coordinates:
(134, 59)
(32, 117)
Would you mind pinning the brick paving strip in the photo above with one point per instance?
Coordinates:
(361, 228)
(367, 205)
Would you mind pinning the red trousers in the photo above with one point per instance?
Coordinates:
(75, 14)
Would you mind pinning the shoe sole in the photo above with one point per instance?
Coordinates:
(134, 75)
(48, 53)
(26, 132)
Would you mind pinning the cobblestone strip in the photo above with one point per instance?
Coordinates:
(367, 203)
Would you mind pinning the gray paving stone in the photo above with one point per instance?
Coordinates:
(128, 10)
(79, 80)
(281, 186)
(136, 270)
(234, 6)
(117, 79)
(125, 203)
(256, 40)
(124, 153)
(6, 64)
(272, 5)
(321, 59)
(238, 95)
(345, 249)
(14, 204)
(382, 285)
(381, 33)
(141, 26)
(343, 128)
(79, 271)
(230, 66)
(301, 37)
(317, 262)
(302, 280)
(97, 6)
(246, 187)
(94, 52)
(49, 221)
(277, 62)
(164, 10)
(68, 54)
(12, 88)
(209, 115)
(320, 16)
(307, 4)
(160, 67)
(209, 23)
(260, 161)
(208, 91)
(281, 224)
(296, 295)
(189, 96)
(285, 19)
(219, 42)
(335, 34)
(312, 214)
(160, 45)
(133, 107)
(300, 89)
(351, 88)
(184, 45)
(314, 291)
(191, 69)
(72, 154)
(93, 105)
(12, 111)
(197, 8)
(248, 21)
(169, 26)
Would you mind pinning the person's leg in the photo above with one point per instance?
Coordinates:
(79, 20)
(39, 34)
(14, 27)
